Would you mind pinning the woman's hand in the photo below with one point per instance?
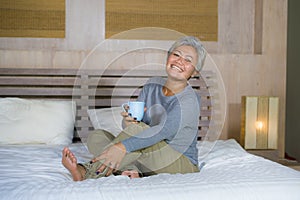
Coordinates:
(127, 119)
(112, 157)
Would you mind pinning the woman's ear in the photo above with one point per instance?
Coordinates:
(195, 73)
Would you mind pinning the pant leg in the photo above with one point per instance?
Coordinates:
(130, 131)
(158, 158)
(162, 158)
(130, 158)
(99, 140)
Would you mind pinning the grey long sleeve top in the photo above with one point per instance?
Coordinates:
(173, 119)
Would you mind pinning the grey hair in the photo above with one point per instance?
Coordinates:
(196, 44)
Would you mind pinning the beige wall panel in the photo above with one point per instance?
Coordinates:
(262, 115)
(250, 137)
(30, 18)
(191, 17)
(236, 26)
(84, 29)
(273, 122)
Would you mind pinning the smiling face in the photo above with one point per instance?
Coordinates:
(181, 62)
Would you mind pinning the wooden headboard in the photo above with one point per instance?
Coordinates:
(92, 89)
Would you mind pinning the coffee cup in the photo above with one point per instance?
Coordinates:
(136, 109)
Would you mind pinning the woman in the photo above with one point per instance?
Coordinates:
(165, 140)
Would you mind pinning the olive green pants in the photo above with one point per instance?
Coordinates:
(158, 158)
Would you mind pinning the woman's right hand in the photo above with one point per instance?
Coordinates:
(127, 119)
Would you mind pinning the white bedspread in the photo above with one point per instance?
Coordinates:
(35, 172)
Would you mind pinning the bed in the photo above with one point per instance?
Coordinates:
(71, 103)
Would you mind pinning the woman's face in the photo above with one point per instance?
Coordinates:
(181, 63)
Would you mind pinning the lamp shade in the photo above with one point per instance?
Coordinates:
(259, 122)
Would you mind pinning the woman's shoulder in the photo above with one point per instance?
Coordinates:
(190, 94)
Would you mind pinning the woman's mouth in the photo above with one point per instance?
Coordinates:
(177, 68)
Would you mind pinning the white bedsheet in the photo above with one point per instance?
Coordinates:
(35, 172)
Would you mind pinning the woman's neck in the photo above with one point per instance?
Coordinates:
(173, 87)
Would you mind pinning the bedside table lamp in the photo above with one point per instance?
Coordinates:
(259, 123)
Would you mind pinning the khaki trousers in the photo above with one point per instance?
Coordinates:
(158, 158)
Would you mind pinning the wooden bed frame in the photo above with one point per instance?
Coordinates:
(92, 89)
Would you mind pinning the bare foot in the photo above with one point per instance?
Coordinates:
(131, 174)
(69, 161)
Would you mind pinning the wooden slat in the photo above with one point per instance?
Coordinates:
(6, 91)
(204, 123)
(112, 81)
(121, 73)
(38, 72)
(205, 113)
(32, 81)
(117, 92)
(83, 123)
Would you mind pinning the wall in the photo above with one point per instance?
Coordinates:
(293, 81)
(250, 52)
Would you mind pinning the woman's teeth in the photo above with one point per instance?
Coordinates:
(177, 68)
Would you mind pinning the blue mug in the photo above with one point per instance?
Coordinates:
(136, 109)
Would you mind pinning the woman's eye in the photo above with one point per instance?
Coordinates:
(176, 54)
(187, 60)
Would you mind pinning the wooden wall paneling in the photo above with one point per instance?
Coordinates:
(30, 18)
(191, 17)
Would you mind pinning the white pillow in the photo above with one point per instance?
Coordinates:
(25, 121)
(108, 119)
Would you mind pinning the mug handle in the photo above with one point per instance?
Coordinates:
(123, 106)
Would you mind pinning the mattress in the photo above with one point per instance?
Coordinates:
(227, 172)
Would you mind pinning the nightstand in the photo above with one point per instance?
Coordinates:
(273, 155)
(292, 164)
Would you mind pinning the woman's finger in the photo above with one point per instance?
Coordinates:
(109, 171)
(103, 166)
(124, 114)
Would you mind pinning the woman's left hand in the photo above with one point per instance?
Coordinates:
(112, 157)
